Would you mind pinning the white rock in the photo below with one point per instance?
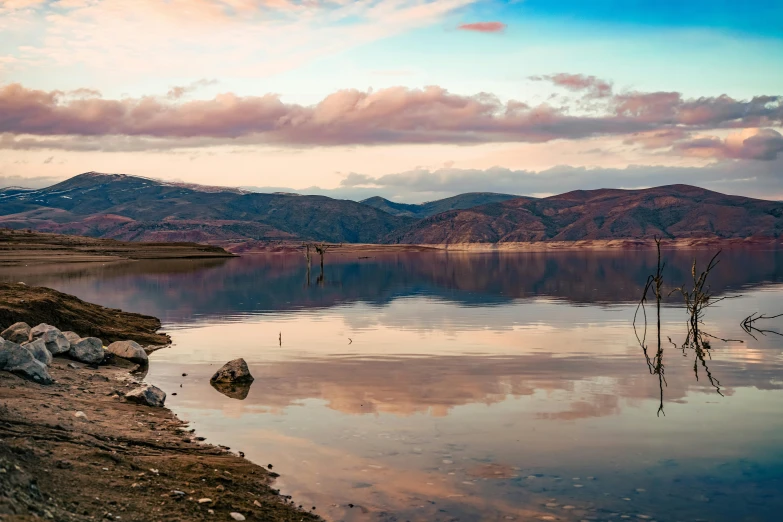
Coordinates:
(148, 395)
(39, 351)
(233, 371)
(129, 350)
(72, 337)
(237, 516)
(55, 341)
(19, 360)
(88, 350)
(17, 333)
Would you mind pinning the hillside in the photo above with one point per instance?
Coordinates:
(133, 208)
(424, 210)
(675, 211)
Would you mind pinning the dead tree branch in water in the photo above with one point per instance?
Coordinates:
(309, 260)
(749, 324)
(697, 300)
(321, 249)
(654, 283)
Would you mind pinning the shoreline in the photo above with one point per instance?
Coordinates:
(78, 450)
(282, 247)
(33, 248)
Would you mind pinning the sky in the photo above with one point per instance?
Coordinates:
(412, 100)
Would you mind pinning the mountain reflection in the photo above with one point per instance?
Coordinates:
(184, 290)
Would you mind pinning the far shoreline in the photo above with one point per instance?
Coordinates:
(283, 247)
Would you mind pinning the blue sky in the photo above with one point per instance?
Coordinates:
(353, 77)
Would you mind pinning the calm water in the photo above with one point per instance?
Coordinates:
(436, 387)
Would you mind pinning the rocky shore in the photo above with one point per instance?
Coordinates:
(83, 438)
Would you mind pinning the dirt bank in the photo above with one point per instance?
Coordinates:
(18, 247)
(35, 305)
(117, 460)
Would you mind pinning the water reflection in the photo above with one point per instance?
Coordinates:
(185, 290)
(233, 390)
(434, 387)
(697, 298)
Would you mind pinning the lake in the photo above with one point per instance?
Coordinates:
(452, 386)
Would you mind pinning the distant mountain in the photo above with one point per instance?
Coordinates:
(675, 211)
(133, 208)
(140, 209)
(462, 201)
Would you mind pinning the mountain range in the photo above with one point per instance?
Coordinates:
(134, 208)
(431, 208)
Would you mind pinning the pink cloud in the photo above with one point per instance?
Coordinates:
(386, 116)
(756, 144)
(596, 87)
(657, 139)
(484, 27)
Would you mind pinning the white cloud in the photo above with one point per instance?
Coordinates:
(215, 38)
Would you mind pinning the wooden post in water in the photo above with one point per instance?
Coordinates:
(307, 256)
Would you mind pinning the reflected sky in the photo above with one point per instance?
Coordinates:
(470, 387)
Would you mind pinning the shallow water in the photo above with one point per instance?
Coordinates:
(471, 386)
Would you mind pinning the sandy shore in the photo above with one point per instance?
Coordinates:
(117, 460)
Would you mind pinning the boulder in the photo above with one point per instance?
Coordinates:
(148, 395)
(39, 351)
(129, 350)
(72, 337)
(88, 350)
(233, 371)
(19, 360)
(17, 333)
(55, 341)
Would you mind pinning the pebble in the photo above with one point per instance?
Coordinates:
(237, 516)
(204, 500)
(257, 503)
(80, 415)
(568, 507)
